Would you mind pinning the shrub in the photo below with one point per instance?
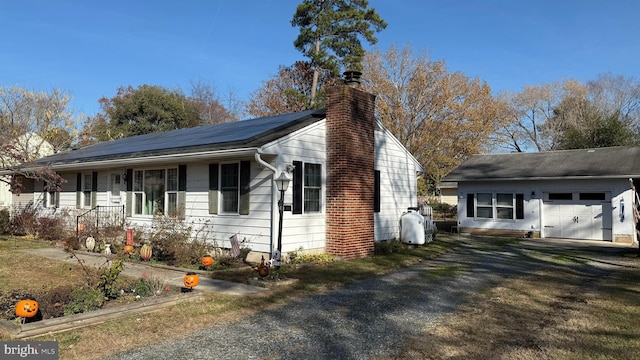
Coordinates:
(108, 277)
(142, 288)
(5, 222)
(172, 243)
(51, 228)
(388, 247)
(71, 243)
(83, 300)
(24, 221)
(297, 257)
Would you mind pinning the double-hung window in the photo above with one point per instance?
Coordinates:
(87, 180)
(307, 187)
(51, 196)
(86, 190)
(499, 206)
(312, 187)
(230, 187)
(155, 192)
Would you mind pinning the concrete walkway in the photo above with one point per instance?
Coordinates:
(171, 276)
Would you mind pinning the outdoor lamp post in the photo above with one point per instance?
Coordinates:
(282, 183)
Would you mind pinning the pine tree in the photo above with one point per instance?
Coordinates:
(330, 32)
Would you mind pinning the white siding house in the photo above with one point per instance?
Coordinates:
(575, 194)
(220, 179)
(32, 146)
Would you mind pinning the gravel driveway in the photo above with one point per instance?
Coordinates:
(370, 318)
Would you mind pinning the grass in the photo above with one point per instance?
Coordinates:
(546, 314)
(549, 314)
(19, 270)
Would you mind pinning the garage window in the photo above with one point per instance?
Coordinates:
(560, 196)
(500, 206)
(592, 196)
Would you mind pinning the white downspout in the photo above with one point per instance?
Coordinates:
(264, 163)
(274, 171)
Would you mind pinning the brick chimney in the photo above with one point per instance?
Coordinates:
(350, 170)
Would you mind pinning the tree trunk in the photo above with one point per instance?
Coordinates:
(316, 73)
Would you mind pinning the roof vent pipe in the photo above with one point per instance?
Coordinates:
(352, 78)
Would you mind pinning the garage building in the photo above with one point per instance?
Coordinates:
(574, 194)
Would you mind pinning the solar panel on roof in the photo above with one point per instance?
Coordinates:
(210, 136)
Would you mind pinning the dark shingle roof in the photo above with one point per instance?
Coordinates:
(239, 134)
(611, 162)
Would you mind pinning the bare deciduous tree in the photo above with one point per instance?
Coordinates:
(34, 124)
(530, 111)
(211, 110)
(288, 91)
(442, 118)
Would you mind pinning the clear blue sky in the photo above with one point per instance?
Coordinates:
(90, 48)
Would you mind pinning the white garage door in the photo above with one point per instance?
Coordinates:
(577, 215)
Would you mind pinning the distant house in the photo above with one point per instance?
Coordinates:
(33, 146)
(351, 179)
(448, 193)
(574, 194)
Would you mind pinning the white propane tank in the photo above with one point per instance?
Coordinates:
(412, 227)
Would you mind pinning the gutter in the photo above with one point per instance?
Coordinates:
(145, 160)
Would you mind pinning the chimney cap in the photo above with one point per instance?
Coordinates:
(352, 77)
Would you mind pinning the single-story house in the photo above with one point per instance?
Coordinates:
(351, 179)
(574, 194)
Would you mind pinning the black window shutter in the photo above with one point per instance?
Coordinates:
(297, 187)
(182, 190)
(376, 192)
(182, 177)
(78, 190)
(519, 206)
(245, 179)
(213, 188)
(471, 210)
(129, 180)
(94, 189)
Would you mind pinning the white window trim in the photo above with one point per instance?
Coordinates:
(305, 187)
(494, 206)
(165, 208)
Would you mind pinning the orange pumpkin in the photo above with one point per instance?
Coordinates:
(27, 308)
(145, 252)
(191, 280)
(207, 260)
(128, 249)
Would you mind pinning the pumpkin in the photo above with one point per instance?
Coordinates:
(207, 260)
(191, 280)
(145, 252)
(128, 249)
(27, 308)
